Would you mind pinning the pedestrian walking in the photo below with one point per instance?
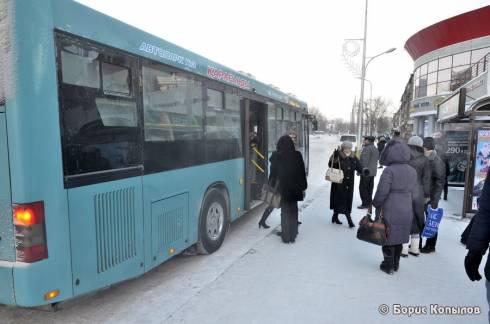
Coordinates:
(341, 194)
(438, 174)
(478, 240)
(393, 199)
(422, 191)
(369, 160)
(287, 167)
(381, 146)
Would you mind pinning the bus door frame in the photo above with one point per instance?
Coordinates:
(262, 114)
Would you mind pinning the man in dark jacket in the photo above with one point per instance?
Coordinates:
(479, 238)
(381, 146)
(369, 160)
(438, 175)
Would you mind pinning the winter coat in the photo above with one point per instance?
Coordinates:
(341, 193)
(421, 164)
(395, 190)
(288, 167)
(369, 159)
(438, 178)
(381, 146)
(479, 236)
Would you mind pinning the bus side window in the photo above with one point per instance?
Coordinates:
(98, 114)
(173, 119)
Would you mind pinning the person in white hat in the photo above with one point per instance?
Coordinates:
(421, 164)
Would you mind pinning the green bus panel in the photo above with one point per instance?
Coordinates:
(106, 232)
(7, 250)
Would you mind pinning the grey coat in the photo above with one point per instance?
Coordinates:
(395, 192)
(369, 159)
(421, 164)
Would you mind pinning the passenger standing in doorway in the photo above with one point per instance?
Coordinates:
(394, 201)
(369, 160)
(438, 173)
(341, 193)
(421, 164)
(287, 167)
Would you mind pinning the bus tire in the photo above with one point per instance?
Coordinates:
(213, 222)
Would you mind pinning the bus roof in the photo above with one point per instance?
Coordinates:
(78, 19)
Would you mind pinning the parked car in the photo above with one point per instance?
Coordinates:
(349, 138)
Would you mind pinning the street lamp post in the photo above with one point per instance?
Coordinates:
(363, 78)
(363, 75)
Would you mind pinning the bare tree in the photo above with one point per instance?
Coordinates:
(375, 115)
(320, 118)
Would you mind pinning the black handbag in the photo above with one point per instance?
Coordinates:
(374, 232)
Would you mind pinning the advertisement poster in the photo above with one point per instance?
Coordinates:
(482, 165)
(457, 149)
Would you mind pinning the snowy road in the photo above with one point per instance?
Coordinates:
(327, 276)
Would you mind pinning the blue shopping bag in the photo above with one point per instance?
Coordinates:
(434, 217)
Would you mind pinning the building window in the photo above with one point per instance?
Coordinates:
(478, 54)
(461, 59)
(445, 62)
(433, 66)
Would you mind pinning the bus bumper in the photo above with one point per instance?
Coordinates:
(7, 296)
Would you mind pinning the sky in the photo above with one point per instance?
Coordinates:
(296, 45)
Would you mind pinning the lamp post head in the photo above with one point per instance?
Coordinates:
(391, 50)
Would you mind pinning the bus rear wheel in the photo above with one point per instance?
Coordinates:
(213, 222)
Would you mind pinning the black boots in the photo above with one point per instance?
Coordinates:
(263, 224)
(388, 264)
(349, 220)
(391, 262)
(335, 219)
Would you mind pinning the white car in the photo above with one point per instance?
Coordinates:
(349, 138)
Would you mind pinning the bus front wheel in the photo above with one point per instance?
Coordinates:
(213, 222)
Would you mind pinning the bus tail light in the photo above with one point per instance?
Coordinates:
(30, 232)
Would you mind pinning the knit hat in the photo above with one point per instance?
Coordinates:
(346, 145)
(416, 141)
(429, 143)
(369, 138)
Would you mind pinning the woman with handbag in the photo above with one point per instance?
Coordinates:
(394, 198)
(342, 189)
(287, 167)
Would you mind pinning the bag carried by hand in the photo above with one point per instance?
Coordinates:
(271, 195)
(374, 232)
(335, 175)
(434, 217)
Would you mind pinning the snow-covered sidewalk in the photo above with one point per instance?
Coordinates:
(328, 276)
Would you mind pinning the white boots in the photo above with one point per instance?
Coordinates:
(414, 246)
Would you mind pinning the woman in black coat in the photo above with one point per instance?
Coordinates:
(341, 193)
(287, 167)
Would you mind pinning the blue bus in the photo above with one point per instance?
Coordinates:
(119, 150)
